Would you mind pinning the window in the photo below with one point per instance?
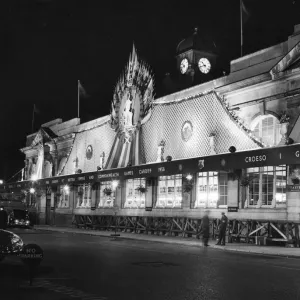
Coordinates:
(63, 200)
(268, 185)
(134, 198)
(84, 199)
(107, 194)
(31, 200)
(169, 193)
(211, 189)
(267, 129)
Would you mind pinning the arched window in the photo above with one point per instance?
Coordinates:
(267, 129)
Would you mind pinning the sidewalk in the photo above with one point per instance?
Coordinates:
(238, 247)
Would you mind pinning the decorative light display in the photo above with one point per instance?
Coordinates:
(189, 177)
(34, 177)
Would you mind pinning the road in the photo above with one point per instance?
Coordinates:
(87, 267)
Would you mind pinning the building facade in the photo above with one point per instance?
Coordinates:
(158, 165)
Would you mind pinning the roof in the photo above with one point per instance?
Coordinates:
(206, 113)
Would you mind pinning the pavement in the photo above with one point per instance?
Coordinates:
(232, 247)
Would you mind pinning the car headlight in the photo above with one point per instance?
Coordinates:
(16, 221)
(27, 222)
(16, 242)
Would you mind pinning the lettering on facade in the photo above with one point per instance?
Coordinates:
(256, 158)
(54, 181)
(91, 177)
(47, 181)
(71, 179)
(297, 153)
(161, 169)
(81, 178)
(145, 171)
(128, 173)
(293, 188)
(108, 175)
(18, 185)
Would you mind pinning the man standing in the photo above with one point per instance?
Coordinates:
(3, 218)
(222, 230)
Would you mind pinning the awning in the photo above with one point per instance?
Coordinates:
(275, 156)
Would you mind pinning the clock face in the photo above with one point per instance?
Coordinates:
(204, 65)
(184, 65)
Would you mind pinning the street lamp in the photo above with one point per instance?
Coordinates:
(1, 181)
(32, 190)
(67, 189)
(114, 184)
(189, 177)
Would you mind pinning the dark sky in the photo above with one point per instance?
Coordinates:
(48, 45)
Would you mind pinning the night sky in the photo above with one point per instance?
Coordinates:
(48, 45)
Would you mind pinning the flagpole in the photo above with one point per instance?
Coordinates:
(78, 96)
(32, 118)
(241, 12)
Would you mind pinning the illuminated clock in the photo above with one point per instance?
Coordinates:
(184, 66)
(204, 65)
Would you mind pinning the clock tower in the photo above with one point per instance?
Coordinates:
(196, 60)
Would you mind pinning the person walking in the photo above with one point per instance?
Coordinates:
(3, 218)
(222, 230)
(205, 230)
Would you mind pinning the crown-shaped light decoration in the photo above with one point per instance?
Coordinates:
(137, 79)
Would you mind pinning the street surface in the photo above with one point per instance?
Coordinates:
(78, 266)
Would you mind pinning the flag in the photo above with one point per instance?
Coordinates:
(81, 90)
(245, 13)
(36, 110)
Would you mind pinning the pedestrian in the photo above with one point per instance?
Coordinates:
(3, 218)
(222, 230)
(205, 230)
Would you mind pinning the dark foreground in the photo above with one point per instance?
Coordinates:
(92, 267)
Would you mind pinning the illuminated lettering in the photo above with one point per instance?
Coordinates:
(128, 173)
(297, 153)
(257, 158)
(161, 169)
(145, 171)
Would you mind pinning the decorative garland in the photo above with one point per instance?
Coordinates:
(141, 189)
(107, 191)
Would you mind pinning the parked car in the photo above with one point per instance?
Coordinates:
(19, 218)
(10, 244)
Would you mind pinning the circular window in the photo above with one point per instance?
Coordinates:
(89, 152)
(186, 130)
